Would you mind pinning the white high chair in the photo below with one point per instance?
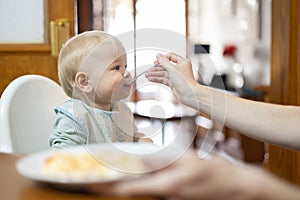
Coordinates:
(27, 113)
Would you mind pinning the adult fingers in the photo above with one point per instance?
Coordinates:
(164, 61)
(150, 185)
(157, 71)
(174, 57)
(158, 75)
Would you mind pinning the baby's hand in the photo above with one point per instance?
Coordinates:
(140, 137)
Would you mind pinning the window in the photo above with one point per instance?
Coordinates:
(26, 17)
(145, 27)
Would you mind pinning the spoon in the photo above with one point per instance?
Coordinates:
(135, 78)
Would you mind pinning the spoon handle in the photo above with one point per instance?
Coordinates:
(135, 78)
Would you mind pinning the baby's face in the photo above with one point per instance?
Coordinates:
(111, 85)
(106, 68)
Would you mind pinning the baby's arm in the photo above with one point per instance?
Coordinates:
(140, 137)
(66, 132)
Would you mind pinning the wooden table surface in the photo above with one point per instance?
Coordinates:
(13, 186)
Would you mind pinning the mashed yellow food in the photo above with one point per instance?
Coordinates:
(84, 166)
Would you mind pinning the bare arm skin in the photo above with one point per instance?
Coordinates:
(194, 179)
(215, 178)
(272, 123)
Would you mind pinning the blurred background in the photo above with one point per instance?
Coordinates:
(250, 45)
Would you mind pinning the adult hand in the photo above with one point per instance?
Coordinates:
(192, 178)
(176, 72)
(170, 67)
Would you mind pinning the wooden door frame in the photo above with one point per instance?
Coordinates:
(285, 81)
(21, 59)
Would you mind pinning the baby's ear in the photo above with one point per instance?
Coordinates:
(83, 82)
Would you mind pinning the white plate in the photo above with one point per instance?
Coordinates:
(154, 157)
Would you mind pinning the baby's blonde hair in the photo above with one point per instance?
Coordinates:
(74, 52)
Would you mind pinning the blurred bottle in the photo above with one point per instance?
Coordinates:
(233, 69)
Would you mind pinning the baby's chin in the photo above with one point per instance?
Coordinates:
(121, 96)
(121, 93)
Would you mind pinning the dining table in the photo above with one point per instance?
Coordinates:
(14, 186)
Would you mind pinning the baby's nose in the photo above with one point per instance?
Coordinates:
(126, 74)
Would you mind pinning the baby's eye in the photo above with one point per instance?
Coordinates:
(125, 66)
(117, 67)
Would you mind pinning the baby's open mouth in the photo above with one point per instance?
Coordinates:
(132, 81)
(129, 83)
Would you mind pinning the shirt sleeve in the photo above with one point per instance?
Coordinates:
(66, 132)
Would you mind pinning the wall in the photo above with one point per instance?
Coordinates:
(244, 23)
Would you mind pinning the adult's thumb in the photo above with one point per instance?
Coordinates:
(164, 61)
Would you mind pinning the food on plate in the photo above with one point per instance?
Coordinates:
(85, 166)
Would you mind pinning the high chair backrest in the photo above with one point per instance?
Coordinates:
(27, 113)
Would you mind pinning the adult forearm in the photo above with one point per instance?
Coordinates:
(272, 187)
(255, 183)
(270, 123)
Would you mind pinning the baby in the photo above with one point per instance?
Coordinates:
(92, 72)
